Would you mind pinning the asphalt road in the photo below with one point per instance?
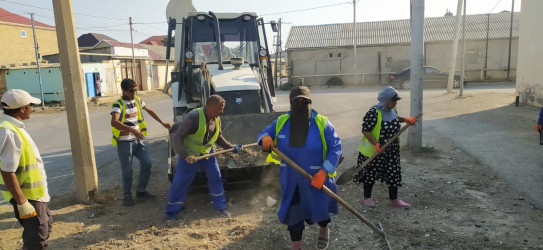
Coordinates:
(482, 130)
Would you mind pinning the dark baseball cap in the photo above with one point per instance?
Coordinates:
(300, 92)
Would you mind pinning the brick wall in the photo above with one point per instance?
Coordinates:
(17, 49)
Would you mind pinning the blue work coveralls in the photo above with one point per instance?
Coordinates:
(316, 205)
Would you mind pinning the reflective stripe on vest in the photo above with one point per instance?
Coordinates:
(366, 147)
(321, 123)
(141, 122)
(194, 143)
(28, 173)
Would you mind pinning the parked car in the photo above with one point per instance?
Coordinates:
(432, 78)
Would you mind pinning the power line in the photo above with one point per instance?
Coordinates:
(147, 24)
(110, 26)
(320, 7)
(495, 6)
(79, 14)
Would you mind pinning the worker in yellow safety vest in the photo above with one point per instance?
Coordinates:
(23, 182)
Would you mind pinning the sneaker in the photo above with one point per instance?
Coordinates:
(127, 201)
(224, 213)
(145, 195)
(399, 203)
(368, 202)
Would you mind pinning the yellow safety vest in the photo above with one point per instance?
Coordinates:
(28, 173)
(320, 120)
(141, 123)
(194, 143)
(365, 147)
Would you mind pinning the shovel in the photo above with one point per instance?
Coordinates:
(348, 175)
(335, 197)
(224, 151)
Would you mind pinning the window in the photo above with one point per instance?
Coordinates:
(330, 55)
(23, 33)
(338, 54)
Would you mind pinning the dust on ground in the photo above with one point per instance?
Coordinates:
(458, 203)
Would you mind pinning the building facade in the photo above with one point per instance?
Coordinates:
(530, 56)
(317, 53)
(17, 39)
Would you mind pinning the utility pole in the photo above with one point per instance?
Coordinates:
(132, 42)
(85, 175)
(463, 64)
(280, 50)
(417, 30)
(36, 48)
(354, 39)
(510, 38)
(454, 49)
(277, 48)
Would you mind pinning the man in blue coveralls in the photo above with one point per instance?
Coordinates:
(195, 136)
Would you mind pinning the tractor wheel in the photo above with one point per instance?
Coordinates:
(456, 83)
(406, 84)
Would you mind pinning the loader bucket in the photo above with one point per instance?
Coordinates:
(250, 164)
(244, 128)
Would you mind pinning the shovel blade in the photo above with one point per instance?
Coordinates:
(346, 176)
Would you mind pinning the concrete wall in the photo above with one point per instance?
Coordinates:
(530, 56)
(15, 49)
(376, 62)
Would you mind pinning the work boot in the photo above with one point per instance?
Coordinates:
(296, 245)
(145, 195)
(399, 203)
(224, 213)
(127, 201)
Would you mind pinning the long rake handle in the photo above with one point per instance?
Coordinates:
(375, 154)
(329, 192)
(224, 151)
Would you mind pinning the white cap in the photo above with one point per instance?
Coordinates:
(16, 98)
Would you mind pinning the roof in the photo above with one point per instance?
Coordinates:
(109, 43)
(154, 40)
(398, 31)
(157, 52)
(91, 39)
(8, 17)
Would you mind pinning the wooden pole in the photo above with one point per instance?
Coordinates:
(85, 175)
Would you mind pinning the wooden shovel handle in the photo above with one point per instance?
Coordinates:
(375, 154)
(224, 151)
(328, 192)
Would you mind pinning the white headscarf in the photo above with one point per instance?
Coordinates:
(383, 97)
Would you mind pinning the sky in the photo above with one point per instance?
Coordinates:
(110, 17)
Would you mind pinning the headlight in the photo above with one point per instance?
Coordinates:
(246, 17)
(263, 52)
(189, 54)
(201, 17)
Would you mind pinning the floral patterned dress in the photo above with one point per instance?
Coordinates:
(386, 166)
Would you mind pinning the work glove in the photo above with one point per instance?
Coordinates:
(538, 128)
(378, 148)
(190, 159)
(410, 120)
(238, 148)
(26, 210)
(267, 143)
(318, 179)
